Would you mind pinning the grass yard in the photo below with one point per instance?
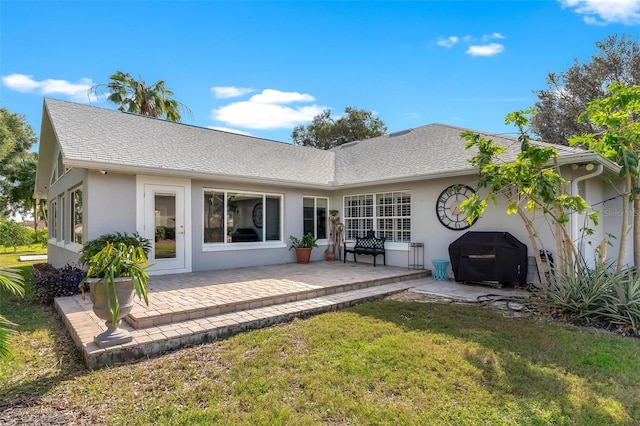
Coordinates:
(384, 362)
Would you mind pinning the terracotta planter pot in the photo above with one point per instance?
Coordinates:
(304, 254)
(114, 335)
(330, 256)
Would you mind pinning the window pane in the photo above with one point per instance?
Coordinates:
(242, 225)
(214, 217)
(165, 222)
(272, 218)
(307, 216)
(76, 216)
(321, 217)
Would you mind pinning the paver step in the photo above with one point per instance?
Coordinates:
(159, 339)
(224, 301)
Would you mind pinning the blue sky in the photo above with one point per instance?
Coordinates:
(263, 67)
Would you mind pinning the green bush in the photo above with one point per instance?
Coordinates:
(12, 234)
(91, 248)
(598, 295)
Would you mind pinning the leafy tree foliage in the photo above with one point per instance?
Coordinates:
(616, 118)
(528, 185)
(18, 184)
(17, 165)
(326, 132)
(135, 96)
(569, 92)
(12, 234)
(16, 137)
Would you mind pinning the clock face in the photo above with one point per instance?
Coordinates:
(257, 215)
(448, 207)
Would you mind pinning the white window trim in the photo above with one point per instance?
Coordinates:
(390, 245)
(226, 246)
(321, 241)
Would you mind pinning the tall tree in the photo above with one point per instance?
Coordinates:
(529, 184)
(135, 96)
(325, 132)
(617, 120)
(16, 137)
(569, 92)
(17, 185)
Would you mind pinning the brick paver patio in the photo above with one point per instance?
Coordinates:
(187, 309)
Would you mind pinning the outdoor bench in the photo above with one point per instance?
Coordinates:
(367, 245)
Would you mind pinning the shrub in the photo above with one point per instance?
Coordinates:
(49, 282)
(598, 296)
(91, 248)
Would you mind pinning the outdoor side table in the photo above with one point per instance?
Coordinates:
(415, 253)
(440, 266)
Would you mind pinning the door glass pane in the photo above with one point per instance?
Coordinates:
(165, 223)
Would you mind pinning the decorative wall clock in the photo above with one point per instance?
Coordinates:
(257, 215)
(448, 207)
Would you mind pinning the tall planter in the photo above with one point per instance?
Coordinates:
(303, 254)
(103, 300)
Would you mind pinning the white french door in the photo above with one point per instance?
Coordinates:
(166, 227)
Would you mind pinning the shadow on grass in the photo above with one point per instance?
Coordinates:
(43, 353)
(581, 377)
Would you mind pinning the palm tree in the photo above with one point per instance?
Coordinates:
(136, 96)
(12, 281)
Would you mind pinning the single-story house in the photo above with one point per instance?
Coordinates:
(210, 199)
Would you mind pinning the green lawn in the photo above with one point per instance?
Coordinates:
(385, 362)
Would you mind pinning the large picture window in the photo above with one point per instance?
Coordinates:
(315, 216)
(76, 215)
(388, 214)
(241, 217)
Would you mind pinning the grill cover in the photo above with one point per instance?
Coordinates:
(489, 256)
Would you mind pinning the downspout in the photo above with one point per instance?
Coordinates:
(574, 191)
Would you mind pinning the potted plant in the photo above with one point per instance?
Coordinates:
(303, 246)
(329, 254)
(115, 275)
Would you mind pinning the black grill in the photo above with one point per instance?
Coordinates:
(489, 256)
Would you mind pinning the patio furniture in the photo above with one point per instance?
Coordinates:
(440, 272)
(370, 245)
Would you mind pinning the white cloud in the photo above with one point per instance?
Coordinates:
(603, 12)
(476, 46)
(224, 92)
(229, 130)
(447, 42)
(488, 37)
(270, 96)
(26, 84)
(268, 110)
(252, 115)
(485, 50)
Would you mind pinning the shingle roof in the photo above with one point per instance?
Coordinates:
(428, 151)
(88, 134)
(93, 137)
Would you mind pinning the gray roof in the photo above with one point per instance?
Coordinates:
(94, 137)
(434, 150)
(97, 138)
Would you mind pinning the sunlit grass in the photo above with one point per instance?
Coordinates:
(383, 362)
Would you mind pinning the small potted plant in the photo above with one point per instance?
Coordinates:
(115, 275)
(303, 246)
(329, 254)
